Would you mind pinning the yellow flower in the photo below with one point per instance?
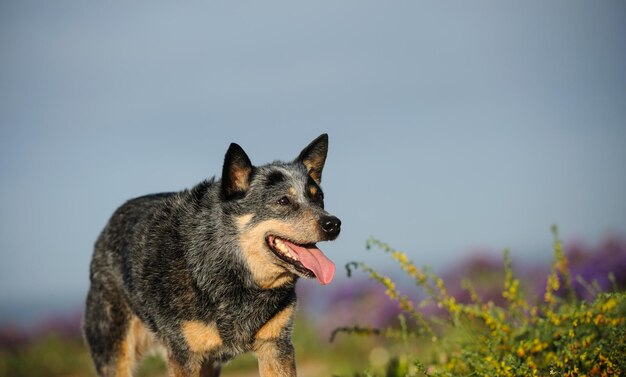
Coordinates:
(554, 319)
(598, 319)
(554, 282)
(610, 304)
(400, 257)
(538, 346)
(452, 305)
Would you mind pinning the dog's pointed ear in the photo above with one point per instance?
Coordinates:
(236, 172)
(313, 157)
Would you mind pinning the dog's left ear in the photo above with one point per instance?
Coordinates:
(313, 157)
(236, 172)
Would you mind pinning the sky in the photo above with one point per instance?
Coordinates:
(454, 126)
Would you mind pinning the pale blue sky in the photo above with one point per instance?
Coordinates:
(453, 126)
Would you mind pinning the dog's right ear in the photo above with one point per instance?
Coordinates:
(236, 172)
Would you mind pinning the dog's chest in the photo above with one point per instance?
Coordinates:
(235, 329)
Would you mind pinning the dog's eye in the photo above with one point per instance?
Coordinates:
(320, 200)
(283, 201)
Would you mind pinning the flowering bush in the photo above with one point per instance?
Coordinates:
(558, 333)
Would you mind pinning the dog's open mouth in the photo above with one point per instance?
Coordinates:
(306, 259)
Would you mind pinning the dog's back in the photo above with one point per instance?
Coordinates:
(124, 236)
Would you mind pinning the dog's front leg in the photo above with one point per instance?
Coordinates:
(276, 358)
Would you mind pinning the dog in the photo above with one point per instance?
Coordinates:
(209, 273)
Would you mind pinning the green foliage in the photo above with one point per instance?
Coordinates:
(557, 334)
(152, 365)
(52, 355)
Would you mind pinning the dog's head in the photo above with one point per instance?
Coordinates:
(278, 212)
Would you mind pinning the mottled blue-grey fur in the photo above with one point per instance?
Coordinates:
(166, 260)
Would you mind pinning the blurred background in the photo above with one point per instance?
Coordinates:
(456, 130)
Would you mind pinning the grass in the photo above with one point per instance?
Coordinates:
(556, 334)
(55, 355)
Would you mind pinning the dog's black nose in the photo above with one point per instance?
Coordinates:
(331, 225)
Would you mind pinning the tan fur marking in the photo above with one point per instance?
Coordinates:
(278, 281)
(201, 336)
(240, 178)
(312, 190)
(267, 356)
(125, 356)
(313, 165)
(292, 191)
(144, 340)
(273, 327)
(272, 363)
(136, 341)
(243, 220)
(261, 262)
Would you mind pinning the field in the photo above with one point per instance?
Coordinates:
(485, 315)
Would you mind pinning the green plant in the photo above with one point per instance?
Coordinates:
(557, 334)
(51, 355)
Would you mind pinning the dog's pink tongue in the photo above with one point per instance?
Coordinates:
(313, 259)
